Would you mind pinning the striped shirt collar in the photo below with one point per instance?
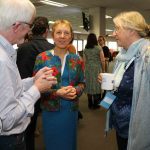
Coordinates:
(11, 52)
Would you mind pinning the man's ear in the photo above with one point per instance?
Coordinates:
(16, 27)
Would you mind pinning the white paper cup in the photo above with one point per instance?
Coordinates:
(107, 81)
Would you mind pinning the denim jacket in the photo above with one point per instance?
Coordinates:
(139, 133)
(49, 100)
(139, 130)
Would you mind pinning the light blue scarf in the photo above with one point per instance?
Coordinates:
(125, 58)
(127, 55)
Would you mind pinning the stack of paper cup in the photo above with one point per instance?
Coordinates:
(107, 81)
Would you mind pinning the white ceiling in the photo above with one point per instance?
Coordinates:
(73, 12)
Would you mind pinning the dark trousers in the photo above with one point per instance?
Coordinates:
(12, 142)
(93, 100)
(90, 101)
(121, 142)
(103, 94)
(80, 116)
(30, 131)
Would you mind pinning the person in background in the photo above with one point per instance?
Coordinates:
(60, 105)
(17, 97)
(129, 113)
(107, 55)
(106, 51)
(26, 56)
(80, 53)
(27, 52)
(94, 64)
(27, 38)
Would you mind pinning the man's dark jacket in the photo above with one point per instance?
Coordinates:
(27, 52)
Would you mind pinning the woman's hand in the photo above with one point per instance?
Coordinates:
(100, 78)
(68, 92)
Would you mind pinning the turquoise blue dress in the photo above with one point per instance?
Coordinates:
(60, 127)
(60, 116)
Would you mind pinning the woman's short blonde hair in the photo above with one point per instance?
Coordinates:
(132, 20)
(66, 22)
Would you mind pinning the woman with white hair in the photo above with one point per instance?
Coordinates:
(132, 82)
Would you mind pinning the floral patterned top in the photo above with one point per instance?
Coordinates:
(49, 100)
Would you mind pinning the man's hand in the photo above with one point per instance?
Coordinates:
(44, 80)
(45, 70)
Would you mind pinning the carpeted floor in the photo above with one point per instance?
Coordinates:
(91, 135)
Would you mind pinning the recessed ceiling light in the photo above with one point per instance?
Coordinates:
(47, 2)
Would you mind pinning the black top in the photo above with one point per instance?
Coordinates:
(27, 52)
(106, 51)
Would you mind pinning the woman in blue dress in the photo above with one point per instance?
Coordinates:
(60, 105)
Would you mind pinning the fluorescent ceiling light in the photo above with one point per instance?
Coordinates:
(53, 3)
(51, 22)
(110, 35)
(81, 26)
(107, 17)
(76, 32)
(109, 30)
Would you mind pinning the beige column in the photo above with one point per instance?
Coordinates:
(97, 20)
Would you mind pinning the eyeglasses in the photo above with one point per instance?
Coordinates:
(117, 29)
(29, 24)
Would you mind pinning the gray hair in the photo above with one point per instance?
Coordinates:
(132, 20)
(12, 11)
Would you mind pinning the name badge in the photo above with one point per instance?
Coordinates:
(107, 100)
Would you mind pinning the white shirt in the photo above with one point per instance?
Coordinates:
(17, 97)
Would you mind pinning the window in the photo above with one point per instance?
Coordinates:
(15, 46)
(50, 40)
(75, 44)
(113, 45)
(80, 45)
(84, 43)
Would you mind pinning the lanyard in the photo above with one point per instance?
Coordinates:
(129, 63)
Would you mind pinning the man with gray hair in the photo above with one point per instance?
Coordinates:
(17, 97)
(26, 56)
